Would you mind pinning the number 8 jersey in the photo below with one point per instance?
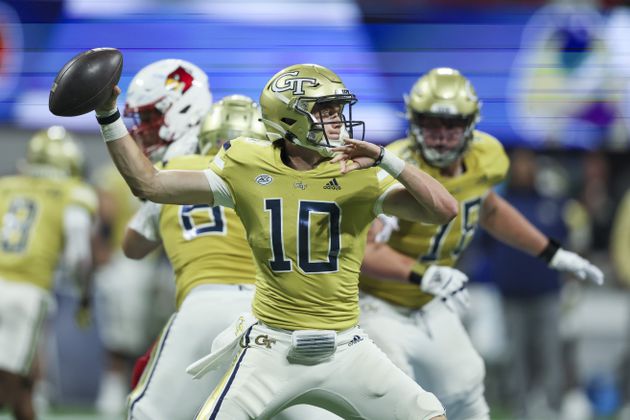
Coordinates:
(205, 245)
(32, 232)
(485, 165)
(307, 231)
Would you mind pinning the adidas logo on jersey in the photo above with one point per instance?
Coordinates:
(332, 185)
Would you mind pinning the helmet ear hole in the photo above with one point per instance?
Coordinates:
(288, 121)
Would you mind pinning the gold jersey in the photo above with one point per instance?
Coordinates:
(32, 231)
(307, 230)
(206, 245)
(109, 180)
(485, 165)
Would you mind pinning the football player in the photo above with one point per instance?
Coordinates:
(46, 212)
(411, 291)
(166, 101)
(306, 200)
(214, 272)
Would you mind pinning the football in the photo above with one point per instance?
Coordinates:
(85, 82)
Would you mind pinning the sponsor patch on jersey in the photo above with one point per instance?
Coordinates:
(264, 179)
(300, 185)
(332, 185)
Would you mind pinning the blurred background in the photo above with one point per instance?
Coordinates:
(554, 79)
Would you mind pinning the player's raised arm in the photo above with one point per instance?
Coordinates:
(505, 223)
(145, 181)
(423, 198)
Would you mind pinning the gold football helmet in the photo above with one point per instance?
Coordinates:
(54, 152)
(445, 94)
(231, 117)
(288, 99)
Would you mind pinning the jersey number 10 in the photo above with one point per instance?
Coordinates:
(279, 263)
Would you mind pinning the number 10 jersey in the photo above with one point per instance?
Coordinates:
(307, 231)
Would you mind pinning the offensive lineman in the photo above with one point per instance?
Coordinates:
(307, 242)
(46, 215)
(411, 292)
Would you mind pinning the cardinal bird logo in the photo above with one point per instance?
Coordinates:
(180, 80)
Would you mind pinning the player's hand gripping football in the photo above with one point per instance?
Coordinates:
(110, 104)
(355, 154)
(571, 262)
(449, 284)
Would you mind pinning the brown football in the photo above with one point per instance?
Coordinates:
(85, 82)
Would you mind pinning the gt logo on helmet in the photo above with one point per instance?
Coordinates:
(296, 84)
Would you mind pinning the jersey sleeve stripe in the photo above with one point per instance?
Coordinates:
(378, 204)
(220, 190)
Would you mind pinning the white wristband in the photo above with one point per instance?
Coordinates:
(392, 164)
(112, 130)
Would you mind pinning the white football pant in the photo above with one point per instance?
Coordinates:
(24, 309)
(431, 346)
(129, 303)
(357, 382)
(165, 390)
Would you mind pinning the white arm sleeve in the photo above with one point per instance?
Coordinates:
(220, 190)
(146, 221)
(77, 225)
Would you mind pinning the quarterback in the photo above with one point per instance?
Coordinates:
(46, 215)
(306, 209)
(410, 291)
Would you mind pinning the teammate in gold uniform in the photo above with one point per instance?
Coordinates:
(411, 292)
(214, 272)
(46, 214)
(306, 215)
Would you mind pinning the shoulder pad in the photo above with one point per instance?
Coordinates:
(491, 156)
(83, 195)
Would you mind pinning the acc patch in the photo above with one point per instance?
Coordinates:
(264, 179)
